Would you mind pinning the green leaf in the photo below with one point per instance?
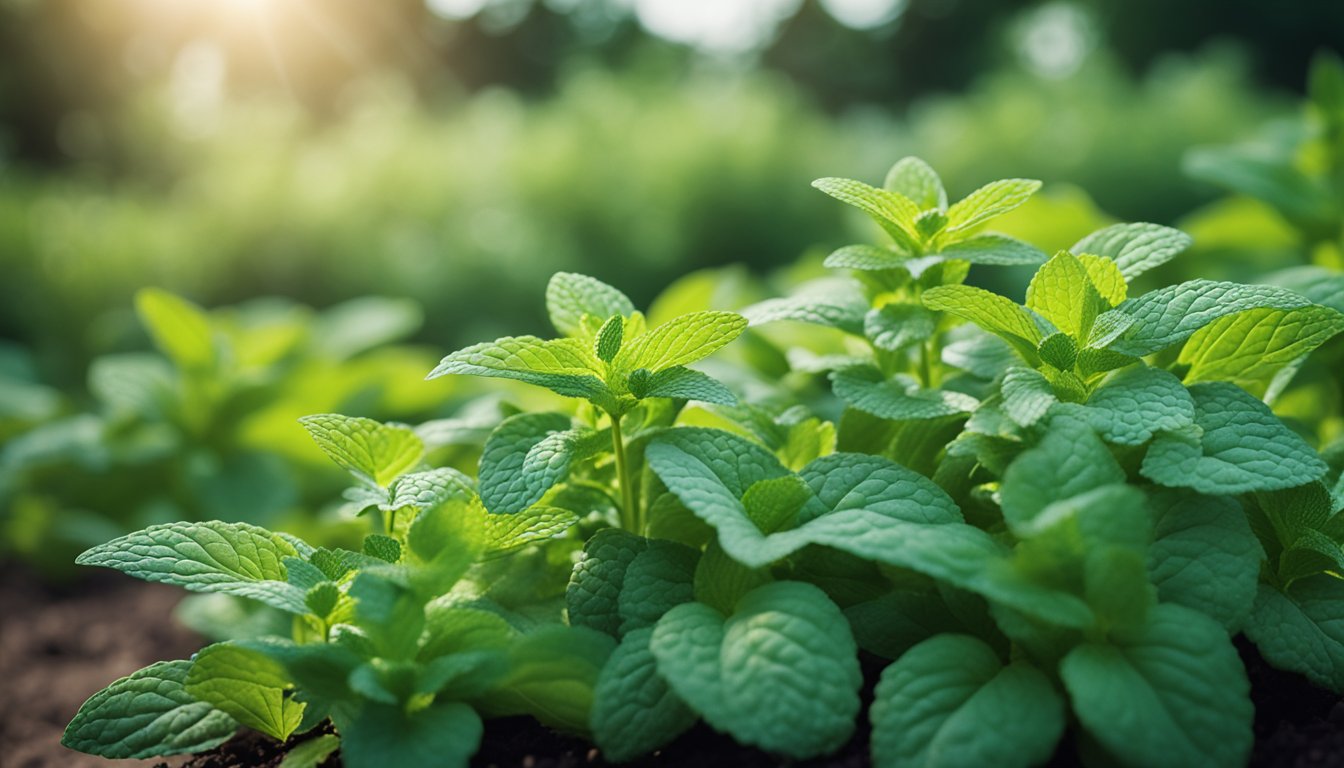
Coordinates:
(609, 339)
(526, 455)
(635, 711)
(897, 326)
(384, 548)
(252, 688)
(507, 533)
(1172, 694)
(1135, 403)
(686, 384)
(1243, 447)
(1135, 248)
(657, 579)
(570, 296)
(720, 581)
(866, 258)
(1062, 293)
(1027, 395)
(1204, 555)
(233, 558)
(311, 753)
(369, 449)
(992, 312)
(831, 303)
(951, 702)
(148, 714)
(594, 590)
(1252, 346)
(775, 504)
(1302, 629)
(1168, 316)
(179, 328)
(564, 366)
(780, 674)
(1068, 461)
(915, 180)
(681, 340)
(553, 672)
(899, 398)
(892, 211)
(1106, 278)
(993, 249)
(993, 199)
(444, 734)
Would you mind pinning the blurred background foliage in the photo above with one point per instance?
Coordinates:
(449, 155)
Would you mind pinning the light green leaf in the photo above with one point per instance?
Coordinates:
(564, 366)
(526, 455)
(1302, 629)
(1252, 346)
(1027, 395)
(892, 211)
(1168, 316)
(780, 674)
(866, 258)
(609, 338)
(1204, 555)
(311, 753)
(993, 249)
(1172, 694)
(1242, 446)
(687, 384)
(506, 533)
(233, 558)
(1062, 293)
(570, 296)
(635, 711)
(1106, 278)
(1135, 248)
(431, 488)
(443, 734)
(951, 702)
(179, 328)
(681, 340)
(148, 714)
(1135, 403)
(992, 312)
(370, 449)
(917, 182)
(899, 398)
(993, 199)
(897, 326)
(252, 688)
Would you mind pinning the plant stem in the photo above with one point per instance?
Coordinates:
(629, 512)
(927, 371)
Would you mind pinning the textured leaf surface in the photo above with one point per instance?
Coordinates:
(992, 312)
(1062, 292)
(780, 674)
(1137, 402)
(950, 702)
(1253, 345)
(595, 584)
(1027, 395)
(1302, 630)
(993, 199)
(505, 533)
(1069, 460)
(233, 558)
(993, 249)
(524, 457)
(919, 183)
(570, 296)
(831, 309)
(657, 579)
(1204, 555)
(553, 671)
(687, 384)
(635, 711)
(148, 714)
(1135, 248)
(1173, 694)
(564, 366)
(252, 688)
(1243, 447)
(899, 398)
(1168, 316)
(892, 211)
(444, 733)
(897, 326)
(370, 449)
(681, 340)
(866, 258)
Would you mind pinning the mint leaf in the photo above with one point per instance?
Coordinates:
(507, 533)
(1302, 629)
(180, 329)
(897, 326)
(1068, 461)
(993, 199)
(570, 296)
(992, 312)
(993, 249)
(445, 733)
(526, 455)
(1252, 346)
(899, 398)
(1106, 277)
(1242, 447)
(1062, 293)
(686, 384)
(552, 674)
(657, 579)
(609, 338)
(1027, 395)
(1135, 403)
(311, 753)
(892, 211)
(595, 584)
(681, 340)
(916, 181)
(233, 558)
(1204, 555)
(780, 673)
(1173, 693)
(564, 366)
(951, 701)
(635, 711)
(148, 714)
(1135, 248)
(866, 258)
(369, 449)
(830, 308)
(250, 687)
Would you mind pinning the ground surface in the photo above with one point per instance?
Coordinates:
(59, 645)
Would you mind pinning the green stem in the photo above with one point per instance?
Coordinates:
(927, 369)
(629, 511)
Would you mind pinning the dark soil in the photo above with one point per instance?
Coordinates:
(59, 645)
